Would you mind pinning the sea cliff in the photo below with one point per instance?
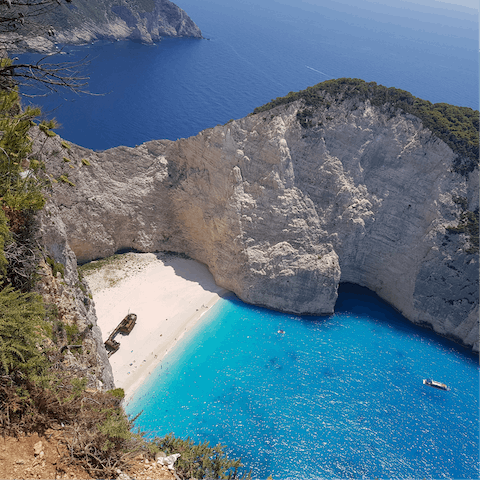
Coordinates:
(84, 21)
(283, 205)
(64, 292)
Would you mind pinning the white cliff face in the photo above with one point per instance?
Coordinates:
(281, 214)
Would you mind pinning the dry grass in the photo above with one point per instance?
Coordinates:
(96, 433)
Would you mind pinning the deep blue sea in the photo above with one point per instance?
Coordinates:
(333, 397)
(262, 49)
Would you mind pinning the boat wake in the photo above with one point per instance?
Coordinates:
(318, 71)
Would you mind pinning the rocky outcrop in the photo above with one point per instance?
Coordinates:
(72, 302)
(84, 21)
(282, 211)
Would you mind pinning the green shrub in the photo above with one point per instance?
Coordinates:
(48, 327)
(35, 165)
(95, 265)
(56, 267)
(117, 393)
(21, 321)
(86, 162)
(73, 334)
(199, 460)
(17, 191)
(65, 145)
(116, 427)
(304, 116)
(46, 127)
(65, 179)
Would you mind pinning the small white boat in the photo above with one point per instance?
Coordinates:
(435, 384)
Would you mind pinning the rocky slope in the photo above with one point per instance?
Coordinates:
(84, 21)
(285, 204)
(70, 297)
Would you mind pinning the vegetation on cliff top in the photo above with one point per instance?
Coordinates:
(457, 126)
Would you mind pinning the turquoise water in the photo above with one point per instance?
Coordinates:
(333, 397)
(260, 50)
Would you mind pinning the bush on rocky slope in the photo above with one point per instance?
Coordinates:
(37, 387)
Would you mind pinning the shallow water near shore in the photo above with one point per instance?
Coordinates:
(332, 397)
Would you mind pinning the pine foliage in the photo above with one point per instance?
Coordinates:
(21, 320)
(21, 192)
(21, 314)
(20, 189)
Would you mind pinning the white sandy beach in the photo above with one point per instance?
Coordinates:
(168, 294)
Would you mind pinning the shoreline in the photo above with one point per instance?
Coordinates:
(155, 358)
(168, 293)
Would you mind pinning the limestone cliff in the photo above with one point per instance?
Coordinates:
(71, 299)
(84, 21)
(285, 204)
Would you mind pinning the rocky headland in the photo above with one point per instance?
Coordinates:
(84, 21)
(340, 183)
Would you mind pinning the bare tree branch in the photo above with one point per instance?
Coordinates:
(44, 76)
(47, 76)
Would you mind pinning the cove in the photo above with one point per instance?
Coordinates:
(333, 397)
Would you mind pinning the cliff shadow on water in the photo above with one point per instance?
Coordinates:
(355, 300)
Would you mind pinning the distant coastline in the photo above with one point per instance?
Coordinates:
(83, 23)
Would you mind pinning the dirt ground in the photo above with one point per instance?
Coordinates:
(35, 457)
